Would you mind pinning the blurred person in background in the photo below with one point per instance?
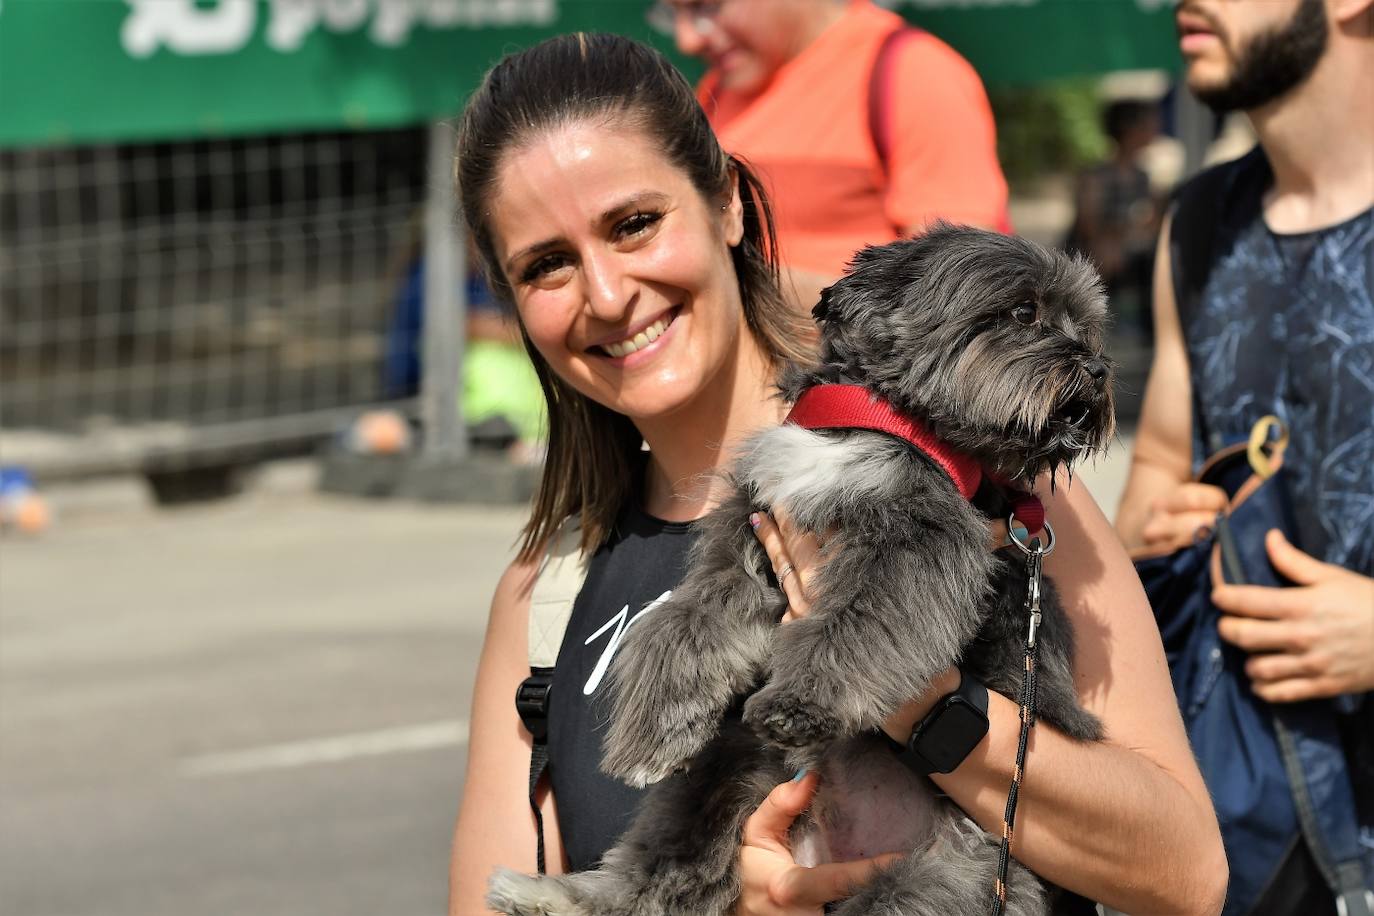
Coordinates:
(637, 256)
(863, 129)
(502, 405)
(1269, 309)
(1116, 218)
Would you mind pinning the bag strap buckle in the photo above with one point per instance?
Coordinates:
(532, 703)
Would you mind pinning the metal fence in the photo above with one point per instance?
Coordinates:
(179, 305)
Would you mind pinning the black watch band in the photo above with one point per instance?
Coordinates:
(949, 732)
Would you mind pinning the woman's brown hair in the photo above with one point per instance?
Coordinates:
(588, 472)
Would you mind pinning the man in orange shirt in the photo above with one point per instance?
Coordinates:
(854, 150)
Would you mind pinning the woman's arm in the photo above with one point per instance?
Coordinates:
(1126, 821)
(495, 824)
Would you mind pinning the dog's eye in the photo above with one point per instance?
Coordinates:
(1025, 313)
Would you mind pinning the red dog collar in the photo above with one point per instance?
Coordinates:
(855, 407)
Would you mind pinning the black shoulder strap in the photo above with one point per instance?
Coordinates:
(532, 703)
(1204, 215)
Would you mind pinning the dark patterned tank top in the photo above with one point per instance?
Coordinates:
(638, 567)
(1284, 324)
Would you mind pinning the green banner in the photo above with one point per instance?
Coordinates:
(81, 71)
(1029, 41)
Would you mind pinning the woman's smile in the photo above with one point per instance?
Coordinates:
(638, 343)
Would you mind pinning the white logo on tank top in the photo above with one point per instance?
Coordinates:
(621, 622)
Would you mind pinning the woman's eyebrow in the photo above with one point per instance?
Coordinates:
(636, 201)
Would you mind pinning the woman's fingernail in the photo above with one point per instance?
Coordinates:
(754, 520)
(800, 775)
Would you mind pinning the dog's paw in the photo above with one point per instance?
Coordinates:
(515, 894)
(786, 720)
(640, 750)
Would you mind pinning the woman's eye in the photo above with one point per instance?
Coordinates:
(548, 264)
(637, 224)
(1024, 313)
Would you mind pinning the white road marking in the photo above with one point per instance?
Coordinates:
(448, 733)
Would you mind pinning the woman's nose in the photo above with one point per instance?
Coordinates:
(606, 286)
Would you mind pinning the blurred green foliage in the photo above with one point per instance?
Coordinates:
(1048, 128)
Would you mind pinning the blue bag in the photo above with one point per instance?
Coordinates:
(1276, 773)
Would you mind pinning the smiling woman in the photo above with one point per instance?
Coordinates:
(626, 263)
(639, 258)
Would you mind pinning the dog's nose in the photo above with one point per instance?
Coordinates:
(1097, 369)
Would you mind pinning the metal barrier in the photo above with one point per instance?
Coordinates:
(169, 306)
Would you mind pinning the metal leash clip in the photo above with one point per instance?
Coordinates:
(1035, 552)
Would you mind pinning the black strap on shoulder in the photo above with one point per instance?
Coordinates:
(532, 703)
(1206, 211)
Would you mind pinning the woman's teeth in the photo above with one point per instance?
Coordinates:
(640, 340)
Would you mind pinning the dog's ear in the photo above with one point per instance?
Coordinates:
(821, 311)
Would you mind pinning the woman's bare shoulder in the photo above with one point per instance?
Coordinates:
(516, 584)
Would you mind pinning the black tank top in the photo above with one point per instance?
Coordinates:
(640, 564)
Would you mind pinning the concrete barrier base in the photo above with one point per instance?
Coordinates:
(476, 479)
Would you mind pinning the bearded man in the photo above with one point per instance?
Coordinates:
(1264, 304)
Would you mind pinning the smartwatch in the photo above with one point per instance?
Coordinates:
(950, 731)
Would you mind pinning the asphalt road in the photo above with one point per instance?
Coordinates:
(255, 707)
(249, 708)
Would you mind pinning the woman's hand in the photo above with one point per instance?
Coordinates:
(797, 556)
(772, 884)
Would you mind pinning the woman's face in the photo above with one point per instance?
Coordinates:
(620, 270)
(744, 41)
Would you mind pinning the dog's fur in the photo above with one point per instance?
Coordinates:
(937, 326)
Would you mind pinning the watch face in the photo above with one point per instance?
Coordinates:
(953, 735)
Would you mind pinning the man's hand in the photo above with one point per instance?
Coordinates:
(772, 884)
(1176, 518)
(1315, 639)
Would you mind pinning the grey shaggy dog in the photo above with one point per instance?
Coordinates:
(994, 343)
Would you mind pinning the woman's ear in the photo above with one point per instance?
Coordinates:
(733, 213)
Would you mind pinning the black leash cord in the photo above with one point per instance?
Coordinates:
(1009, 816)
(1034, 557)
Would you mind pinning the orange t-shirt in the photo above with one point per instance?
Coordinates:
(807, 134)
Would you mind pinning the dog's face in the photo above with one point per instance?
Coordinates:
(993, 340)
